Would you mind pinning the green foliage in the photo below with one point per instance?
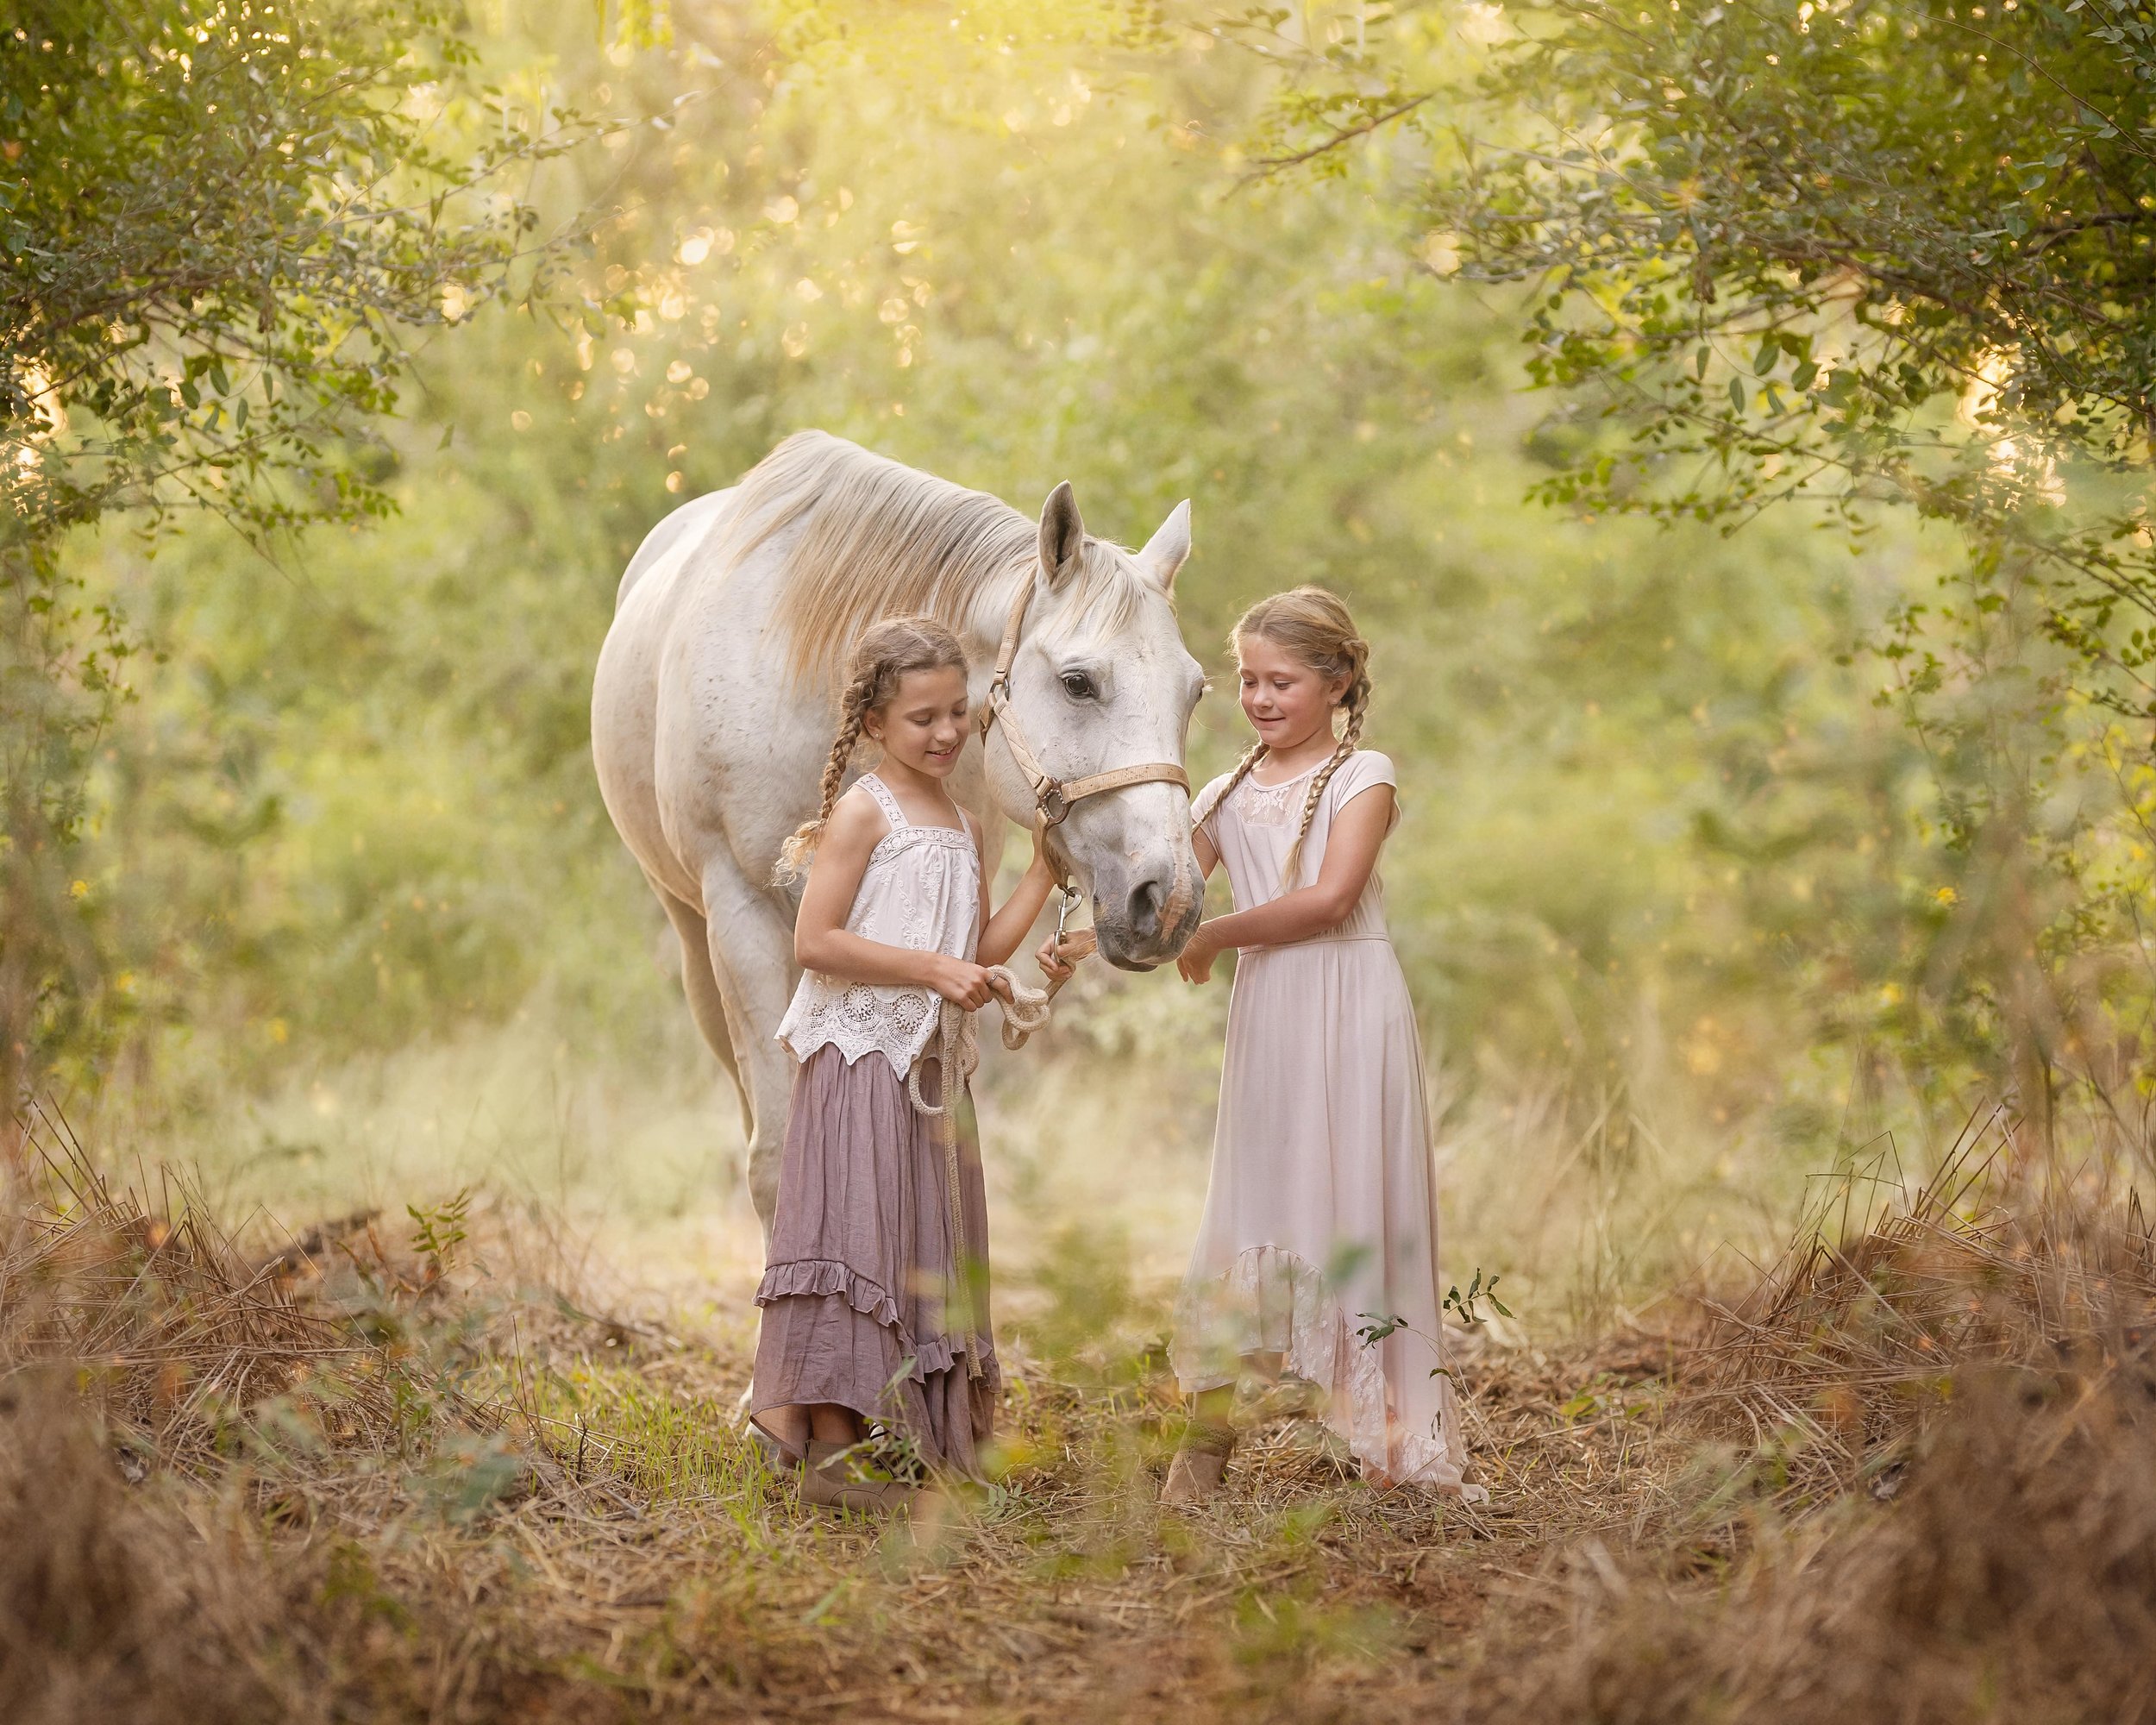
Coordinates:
(355, 806)
(222, 229)
(1463, 1304)
(1782, 240)
(1844, 255)
(1777, 244)
(601, 1420)
(439, 1229)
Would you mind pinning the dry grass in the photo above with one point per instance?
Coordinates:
(1835, 1357)
(347, 1477)
(1944, 1403)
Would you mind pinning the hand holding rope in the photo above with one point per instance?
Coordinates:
(957, 1052)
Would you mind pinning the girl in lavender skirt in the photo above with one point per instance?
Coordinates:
(874, 1290)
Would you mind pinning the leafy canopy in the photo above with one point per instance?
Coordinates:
(1865, 251)
(223, 223)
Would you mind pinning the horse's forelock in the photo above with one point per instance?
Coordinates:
(1104, 597)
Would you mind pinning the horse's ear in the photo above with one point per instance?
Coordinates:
(1164, 552)
(1062, 536)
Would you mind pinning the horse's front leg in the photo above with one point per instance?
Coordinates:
(751, 944)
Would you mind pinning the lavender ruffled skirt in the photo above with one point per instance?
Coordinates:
(860, 1274)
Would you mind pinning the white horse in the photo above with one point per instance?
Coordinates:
(714, 706)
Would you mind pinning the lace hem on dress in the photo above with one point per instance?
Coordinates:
(1271, 1300)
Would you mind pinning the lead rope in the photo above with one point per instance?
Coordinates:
(1024, 1011)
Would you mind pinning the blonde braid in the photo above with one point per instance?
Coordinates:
(1355, 704)
(854, 709)
(1252, 756)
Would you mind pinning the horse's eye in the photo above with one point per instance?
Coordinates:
(1078, 686)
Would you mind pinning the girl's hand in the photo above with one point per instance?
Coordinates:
(961, 981)
(1059, 960)
(1040, 868)
(1196, 962)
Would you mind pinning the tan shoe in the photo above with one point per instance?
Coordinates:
(779, 1457)
(1202, 1460)
(834, 1479)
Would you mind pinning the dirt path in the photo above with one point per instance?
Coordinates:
(670, 1578)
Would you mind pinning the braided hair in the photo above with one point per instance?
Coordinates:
(1314, 626)
(1252, 756)
(886, 653)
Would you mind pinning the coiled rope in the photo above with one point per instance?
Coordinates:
(957, 1053)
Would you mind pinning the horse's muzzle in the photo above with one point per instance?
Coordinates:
(1147, 918)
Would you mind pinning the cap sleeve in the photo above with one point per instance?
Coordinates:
(1209, 799)
(1364, 770)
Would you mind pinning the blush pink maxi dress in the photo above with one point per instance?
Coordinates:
(1322, 1205)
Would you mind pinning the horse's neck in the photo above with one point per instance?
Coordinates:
(989, 616)
(982, 631)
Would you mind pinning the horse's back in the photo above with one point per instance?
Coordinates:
(696, 749)
(626, 695)
(683, 528)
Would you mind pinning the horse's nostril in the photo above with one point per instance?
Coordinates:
(1145, 903)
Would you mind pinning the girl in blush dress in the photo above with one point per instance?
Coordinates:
(1321, 1206)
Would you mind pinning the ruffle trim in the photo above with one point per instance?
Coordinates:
(823, 1278)
(1321, 1348)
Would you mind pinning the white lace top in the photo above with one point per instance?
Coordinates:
(921, 889)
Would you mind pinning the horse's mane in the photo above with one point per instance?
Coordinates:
(878, 539)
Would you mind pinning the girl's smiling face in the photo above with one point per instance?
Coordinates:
(924, 725)
(1286, 702)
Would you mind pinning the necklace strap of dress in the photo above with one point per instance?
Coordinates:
(886, 802)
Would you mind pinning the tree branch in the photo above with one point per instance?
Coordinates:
(1348, 135)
